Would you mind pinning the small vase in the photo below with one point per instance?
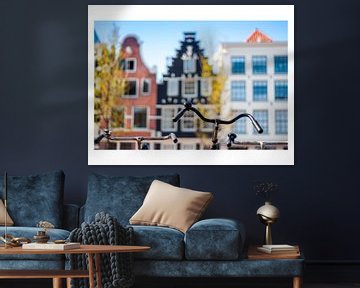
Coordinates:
(41, 237)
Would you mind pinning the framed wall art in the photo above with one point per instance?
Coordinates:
(191, 85)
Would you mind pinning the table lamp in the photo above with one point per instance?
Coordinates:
(268, 214)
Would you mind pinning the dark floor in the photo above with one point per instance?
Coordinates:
(242, 284)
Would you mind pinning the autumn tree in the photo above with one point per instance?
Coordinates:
(214, 103)
(109, 81)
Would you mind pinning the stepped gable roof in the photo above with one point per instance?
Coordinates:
(258, 37)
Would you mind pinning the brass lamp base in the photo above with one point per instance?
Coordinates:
(268, 238)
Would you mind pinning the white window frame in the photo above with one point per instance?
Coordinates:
(206, 81)
(192, 68)
(260, 122)
(193, 145)
(142, 86)
(168, 146)
(235, 113)
(174, 86)
(126, 62)
(233, 99)
(195, 87)
(137, 88)
(277, 111)
(185, 129)
(147, 118)
(163, 121)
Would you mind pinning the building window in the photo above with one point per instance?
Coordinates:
(281, 90)
(188, 146)
(172, 87)
(189, 87)
(206, 86)
(140, 118)
(168, 146)
(281, 64)
(260, 90)
(238, 65)
(262, 117)
(127, 146)
(146, 86)
(188, 123)
(130, 65)
(281, 122)
(130, 89)
(118, 117)
(238, 91)
(259, 64)
(167, 115)
(189, 66)
(239, 127)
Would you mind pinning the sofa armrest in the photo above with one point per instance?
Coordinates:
(215, 239)
(71, 216)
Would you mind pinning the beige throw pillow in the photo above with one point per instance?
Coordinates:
(170, 206)
(9, 221)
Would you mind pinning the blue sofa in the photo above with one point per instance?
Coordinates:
(32, 199)
(210, 248)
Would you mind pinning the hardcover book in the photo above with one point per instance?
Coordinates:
(271, 249)
(51, 246)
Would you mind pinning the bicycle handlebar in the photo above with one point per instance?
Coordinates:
(188, 107)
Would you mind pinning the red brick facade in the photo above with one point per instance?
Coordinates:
(141, 93)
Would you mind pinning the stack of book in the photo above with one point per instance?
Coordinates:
(274, 252)
(279, 249)
(51, 246)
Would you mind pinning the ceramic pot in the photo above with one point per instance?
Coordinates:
(41, 237)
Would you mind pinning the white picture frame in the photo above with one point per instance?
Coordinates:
(187, 13)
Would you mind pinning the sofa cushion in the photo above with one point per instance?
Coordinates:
(170, 206)
(9, 221)
(35, 198)
(29, 232)
(165, 243)
(214, 239)
(120, 196)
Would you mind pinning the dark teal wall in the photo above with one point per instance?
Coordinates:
(43, 102)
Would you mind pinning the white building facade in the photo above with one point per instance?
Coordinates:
(257, 83)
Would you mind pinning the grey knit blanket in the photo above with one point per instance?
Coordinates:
(116, 268)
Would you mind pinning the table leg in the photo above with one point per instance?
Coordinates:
(68, 282)
(57, 283)
(98, 270)
(297, 282)
(91, 270)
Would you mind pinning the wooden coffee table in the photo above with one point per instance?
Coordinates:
(92, 251)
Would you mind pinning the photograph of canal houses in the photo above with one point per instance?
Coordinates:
(189, 85)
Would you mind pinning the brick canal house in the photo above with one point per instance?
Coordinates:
(135, 109)
(184, 82)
